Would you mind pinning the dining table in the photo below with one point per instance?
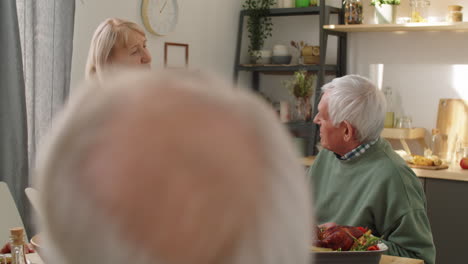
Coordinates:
(34, 258)
(386, 259)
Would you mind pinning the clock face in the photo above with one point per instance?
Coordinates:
(160, 16)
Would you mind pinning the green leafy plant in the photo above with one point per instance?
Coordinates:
(301, 85)
(385, 2)
(259, 24)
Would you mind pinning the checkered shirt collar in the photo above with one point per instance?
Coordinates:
(358, 151)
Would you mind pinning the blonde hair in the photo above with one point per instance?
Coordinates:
(109, 33)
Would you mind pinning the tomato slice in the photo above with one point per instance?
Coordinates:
(363, 229)
(372, 248)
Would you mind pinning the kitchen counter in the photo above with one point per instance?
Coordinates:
(454, 173)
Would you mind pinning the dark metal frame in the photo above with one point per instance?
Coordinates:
(303, 129)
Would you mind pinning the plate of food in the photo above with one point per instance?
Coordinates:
(347, 245)
(427, 162)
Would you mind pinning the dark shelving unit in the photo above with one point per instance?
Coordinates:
(306, 130)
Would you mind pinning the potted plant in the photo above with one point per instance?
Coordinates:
(385, 11)
(259, 25)
(301, 87)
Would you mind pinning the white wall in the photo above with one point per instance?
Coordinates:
(208, 26)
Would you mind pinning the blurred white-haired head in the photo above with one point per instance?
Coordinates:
(171, 168)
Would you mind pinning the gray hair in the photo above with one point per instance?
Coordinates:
(107, 35)
(77, 231)
(356, 99)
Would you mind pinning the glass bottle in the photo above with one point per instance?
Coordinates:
(437, 144)
(353, 12)
(455, 13)
(17, 246)
(390, 114)
(419, 10)
(458, 150)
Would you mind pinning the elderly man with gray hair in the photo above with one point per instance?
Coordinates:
(172, 168)
(358, 179)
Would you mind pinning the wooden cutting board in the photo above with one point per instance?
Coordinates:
(452, 121)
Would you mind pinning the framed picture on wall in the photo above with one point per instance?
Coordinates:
(176, 55)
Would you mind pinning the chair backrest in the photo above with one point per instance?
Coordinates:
(9, 214)
(33, 197)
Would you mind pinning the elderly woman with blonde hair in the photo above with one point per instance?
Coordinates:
(116, 42)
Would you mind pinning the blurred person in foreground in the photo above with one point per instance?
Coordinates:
(165, 168)
(358, 179)
(117, 42)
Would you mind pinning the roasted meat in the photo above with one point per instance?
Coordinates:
(338, 237)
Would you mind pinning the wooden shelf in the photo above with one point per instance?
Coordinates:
(299, 11)
(403, 133)
(440, 26)
(286, 67)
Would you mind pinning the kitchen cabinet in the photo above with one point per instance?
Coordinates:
(306, 130)
(447, 209)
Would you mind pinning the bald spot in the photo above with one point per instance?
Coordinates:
(182, 178)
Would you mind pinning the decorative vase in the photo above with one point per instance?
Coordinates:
(385, 14)
(303, 109)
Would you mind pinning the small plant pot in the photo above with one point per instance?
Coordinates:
(385, 14)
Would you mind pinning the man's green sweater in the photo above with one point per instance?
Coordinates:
(375, 190)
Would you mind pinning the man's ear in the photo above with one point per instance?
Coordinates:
(349, 131)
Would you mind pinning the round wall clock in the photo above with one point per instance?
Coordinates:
(160, 16)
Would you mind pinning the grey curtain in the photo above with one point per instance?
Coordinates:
(13, 128)
(46, 28)
(33, 86)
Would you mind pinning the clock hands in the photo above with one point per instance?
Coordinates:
(164, 5)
